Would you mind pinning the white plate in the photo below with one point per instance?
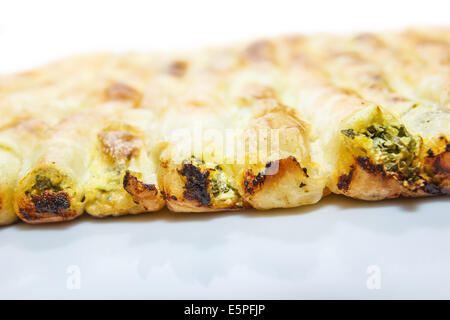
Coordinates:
(339, 248)
(321, 251)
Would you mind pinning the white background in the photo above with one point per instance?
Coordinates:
(36, 31)
(320, 251)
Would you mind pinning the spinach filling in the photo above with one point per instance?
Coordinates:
(43, 183)
(219, 185)
(392, 146)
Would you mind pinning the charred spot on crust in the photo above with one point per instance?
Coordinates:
(441, 162)
(25, 213)
(438, 166)
(271, 168)
(295, 160)
(121, 91)
(409, 177)
(126, 179)
(260, 178)
(174, 198)
(49, 199)
(135, 187)
(432, 188)
(346, 179)
(177, 68)
(367, 165)
(430, 153)
(302, 185)
(364, 162)
(306, 172)
(196, 186)
(251, 181)
(51, 202)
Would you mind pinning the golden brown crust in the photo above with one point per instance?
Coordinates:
(437, 165)
(186, 188)
(18, 143)
(110, 152)
(144, 194)
(283, 183)
(367, 181)
(118, 145)
(48, 207)
(40, 199)
(122, 91)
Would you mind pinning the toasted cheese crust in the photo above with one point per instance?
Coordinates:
(273, 123)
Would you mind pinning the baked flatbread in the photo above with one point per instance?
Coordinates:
(274, 123)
